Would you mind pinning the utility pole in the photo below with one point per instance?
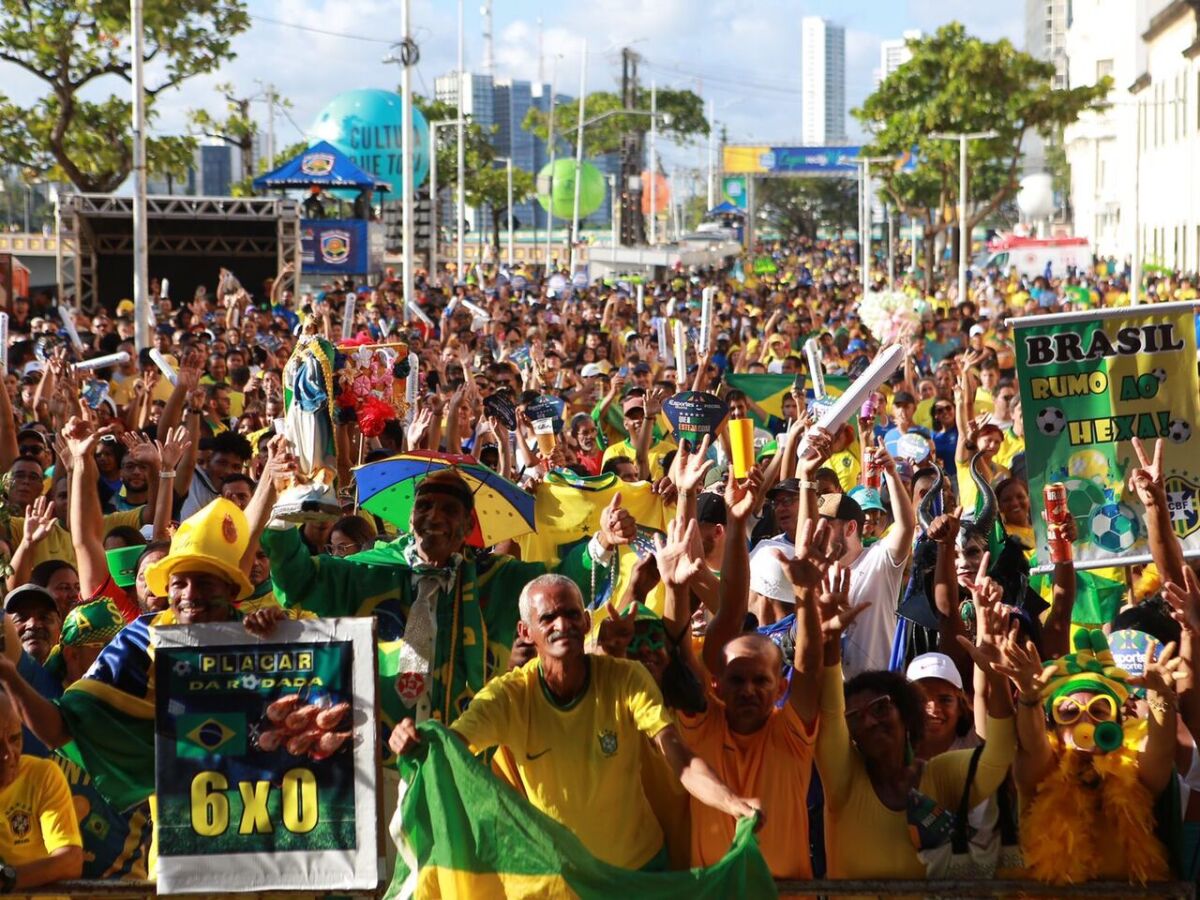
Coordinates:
(653, 167)
(408, 55)
(964, 229)
(141, 262)
(550, 185)
(712, 112)
(460, 202)
(633, 157)
(578, 157)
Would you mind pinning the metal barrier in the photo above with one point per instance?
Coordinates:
(1179, 890)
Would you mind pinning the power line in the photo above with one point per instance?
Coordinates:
(309, 28)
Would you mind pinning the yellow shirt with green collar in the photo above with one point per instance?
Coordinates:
(37, 816)
(579, 763)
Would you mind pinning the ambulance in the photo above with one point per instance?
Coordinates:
(1030, 256)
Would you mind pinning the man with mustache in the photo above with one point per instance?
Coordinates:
(573, 723)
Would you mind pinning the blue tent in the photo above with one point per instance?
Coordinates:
(725, 209)
(321, 164)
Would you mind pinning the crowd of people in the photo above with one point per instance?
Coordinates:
(845, 642)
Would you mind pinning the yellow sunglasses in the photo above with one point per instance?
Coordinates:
(1101, 708)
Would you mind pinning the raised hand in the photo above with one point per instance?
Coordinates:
(39, 519)
(833, 603)
(815, 448)
(681, 555)
(1185, 600)
(171, 451)
(617, 525)
(691, 467)
(1160, 674)
(880, 458)
(1147, 479)
(944, 529)
(814, 556)
(741, 495)
(419, 427)
(1023, 667)
(616, 632)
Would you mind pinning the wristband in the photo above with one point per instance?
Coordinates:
(807, 485)
(167, 473)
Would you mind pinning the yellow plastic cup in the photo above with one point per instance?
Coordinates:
(741, 446)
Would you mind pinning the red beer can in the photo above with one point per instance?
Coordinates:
(1054, 496)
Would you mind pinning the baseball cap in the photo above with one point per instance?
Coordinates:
(787, 486)
(841, 508)
(710, 509)
(934, 665)
(590, 370)
(641, 369)
(855, 345)
(29, 593)
(637, 401)
(867, 498)
(903, 397)
(766, 574)
(977, 331)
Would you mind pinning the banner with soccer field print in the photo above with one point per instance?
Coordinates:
(1090, 382)
(265, 757)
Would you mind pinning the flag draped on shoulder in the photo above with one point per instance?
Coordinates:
(461, 833)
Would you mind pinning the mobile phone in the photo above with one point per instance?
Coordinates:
(799, 383)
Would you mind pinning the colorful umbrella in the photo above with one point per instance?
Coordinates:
(388, 489)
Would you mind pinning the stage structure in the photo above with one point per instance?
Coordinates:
(189, 239)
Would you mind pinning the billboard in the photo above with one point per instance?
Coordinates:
(748, 159)
(341, 246)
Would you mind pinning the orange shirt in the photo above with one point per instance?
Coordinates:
(775, 765)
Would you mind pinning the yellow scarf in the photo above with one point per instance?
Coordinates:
(1067, 826)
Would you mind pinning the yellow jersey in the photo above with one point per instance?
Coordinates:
(37, 816)
(57, 544)
(581, 763)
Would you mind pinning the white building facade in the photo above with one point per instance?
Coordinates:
(1133, 166)
(823, 76)
(894, 53)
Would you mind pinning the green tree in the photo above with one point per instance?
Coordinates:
(681, 114)
(72, 47)
(800, 206)
(489, 187)
(959, 83)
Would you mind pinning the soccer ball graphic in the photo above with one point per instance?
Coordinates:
(1160, 374)
(1114, 527)
(1050, 421)
(1179, 431)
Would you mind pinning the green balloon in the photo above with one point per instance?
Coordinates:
(591, 188)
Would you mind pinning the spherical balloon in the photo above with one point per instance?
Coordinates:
(591, 188)
(662, 193)
(366, 125)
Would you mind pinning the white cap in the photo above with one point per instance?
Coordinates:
(977, 330)
(934, 665)
(766, 574)
(591, 370)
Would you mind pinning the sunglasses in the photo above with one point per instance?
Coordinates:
(1101, 708)
(878, 709)
(652, 639)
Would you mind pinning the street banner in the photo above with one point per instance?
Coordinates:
(340, 246)
(1090, 382)
(733, 190)
(265, 756)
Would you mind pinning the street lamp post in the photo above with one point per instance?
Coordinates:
(612, 203)
(864, 216)
(653, 165)
(578, 158)
(433, 192)
(460, 204)
(141, 263)
(964, 231)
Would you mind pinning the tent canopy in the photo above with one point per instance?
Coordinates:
(323, 165)
(725, 209)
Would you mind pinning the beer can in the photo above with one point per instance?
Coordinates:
(1054, 496)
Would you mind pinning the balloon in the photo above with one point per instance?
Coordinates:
(591, 188)
(365, 124)
(662, 193)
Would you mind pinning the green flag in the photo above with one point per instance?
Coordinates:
(461, 833)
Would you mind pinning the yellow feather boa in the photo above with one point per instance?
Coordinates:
(1068, 825)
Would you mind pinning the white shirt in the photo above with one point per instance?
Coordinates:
(874, 578)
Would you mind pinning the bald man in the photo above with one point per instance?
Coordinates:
(39, 832)
(755, 744)
(574, 724)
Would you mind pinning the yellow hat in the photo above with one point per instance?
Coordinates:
(125, 307)
(213, 540)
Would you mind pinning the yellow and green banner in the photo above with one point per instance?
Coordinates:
(459, 832)
(1090, 382)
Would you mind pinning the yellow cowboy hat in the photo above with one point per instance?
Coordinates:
(213, 540)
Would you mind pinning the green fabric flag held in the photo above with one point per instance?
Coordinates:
(461, 833)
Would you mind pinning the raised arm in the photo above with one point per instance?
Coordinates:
(899, 537)
(735, 570)
(8, 433)
(39, 522)
(39, 714)
(1156, 761)
(1147, 482)
(170, 453)
(83, 509)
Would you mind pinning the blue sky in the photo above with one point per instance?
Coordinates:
(743, 54)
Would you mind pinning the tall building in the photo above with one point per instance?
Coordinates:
(823, 67)
(894, 53)
(214, 166)
(1046, 23)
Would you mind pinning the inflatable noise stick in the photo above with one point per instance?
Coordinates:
(3, 342)
(478, 311)
(102, 362)
(816, 374)
(348, 316)
(641, 298)
(68, 320)
(419, 313)
(164, 366)
(166, 286)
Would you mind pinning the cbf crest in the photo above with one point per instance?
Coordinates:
(608, 742)
(1183, 505)
(317, 164)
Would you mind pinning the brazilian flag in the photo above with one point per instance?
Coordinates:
(198, 735)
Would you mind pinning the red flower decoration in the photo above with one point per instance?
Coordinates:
(346, 399)
(373, 415)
